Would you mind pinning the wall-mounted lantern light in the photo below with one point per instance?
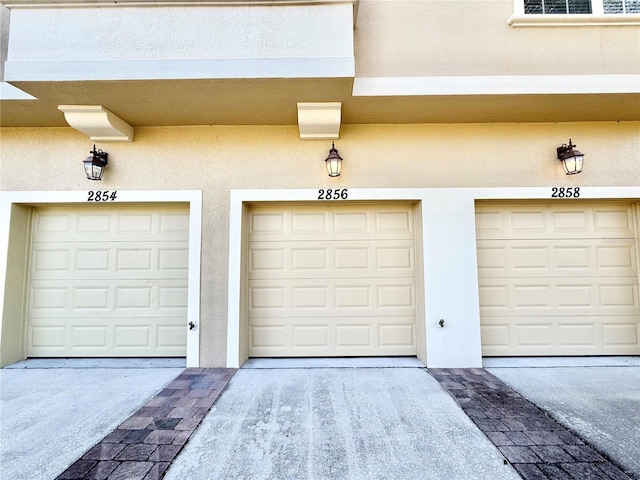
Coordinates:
(571, 159)
(95, 163)
(333, 162)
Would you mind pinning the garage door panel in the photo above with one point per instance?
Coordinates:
(331, 297)
(108, 281)
(583, 257)
(316, 336)
(579, 335)
(394, 336)
(562, 220)
(584, 334)
(48, 338)
(330, 259)
(272, 337)
(558, 279)
(115, 260)
(82, 297)
(96, 224)
(349, 336)
(617, 258)
(538, 334)
(613, 220)
(353, 335)
(394, 221)
(549, 295)
(625, 336)
(104, 336)
(354, 296)
(53, 259)
(400, 297)
(310, 297)
(321, 223)
(356, 260)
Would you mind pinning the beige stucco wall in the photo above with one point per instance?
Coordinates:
(12, 346)
(215, 159)
(472, 37)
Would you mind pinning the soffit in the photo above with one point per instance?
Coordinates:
(274, 102)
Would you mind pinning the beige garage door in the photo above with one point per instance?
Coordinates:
(108, 281)
(332, 280)
(558, 279)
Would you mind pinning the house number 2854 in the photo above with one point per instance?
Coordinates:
(102, 195)
(333, 194)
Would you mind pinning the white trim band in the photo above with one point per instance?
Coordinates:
(568, 20)
(496, 85)
(163, 3)
(43, 71)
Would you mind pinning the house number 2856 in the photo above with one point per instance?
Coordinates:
(333, 194)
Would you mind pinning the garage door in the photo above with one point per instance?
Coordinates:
(108, 281)
(558, 279)
(331, 280)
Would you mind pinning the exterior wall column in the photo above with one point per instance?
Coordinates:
(450, 280)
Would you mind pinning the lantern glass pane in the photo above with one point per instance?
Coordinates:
(333, 167)
(568, 165)
(572, 164)
(97, 172)
(93, 170)
(87, 169)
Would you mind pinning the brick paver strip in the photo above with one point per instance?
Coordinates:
(144, 445)
(537, 446)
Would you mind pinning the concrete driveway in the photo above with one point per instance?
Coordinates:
(53, 411)
(601, 403)
(337, 423)
(310, 420)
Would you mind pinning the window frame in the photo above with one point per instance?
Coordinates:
(597, 17)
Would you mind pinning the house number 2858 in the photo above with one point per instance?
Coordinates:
(333, 194)
(565, 192)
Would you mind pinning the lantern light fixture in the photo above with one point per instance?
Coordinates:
(333, 162)
(95, 164)
(571, 159)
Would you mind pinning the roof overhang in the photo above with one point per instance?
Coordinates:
(273, 101)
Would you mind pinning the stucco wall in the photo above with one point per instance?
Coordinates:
(215, 159)
(12, 348)
(470, 37)
(392, 38)
(170, 33)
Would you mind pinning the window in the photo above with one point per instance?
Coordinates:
(621, 6)
(581, 6)
(557, 6)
